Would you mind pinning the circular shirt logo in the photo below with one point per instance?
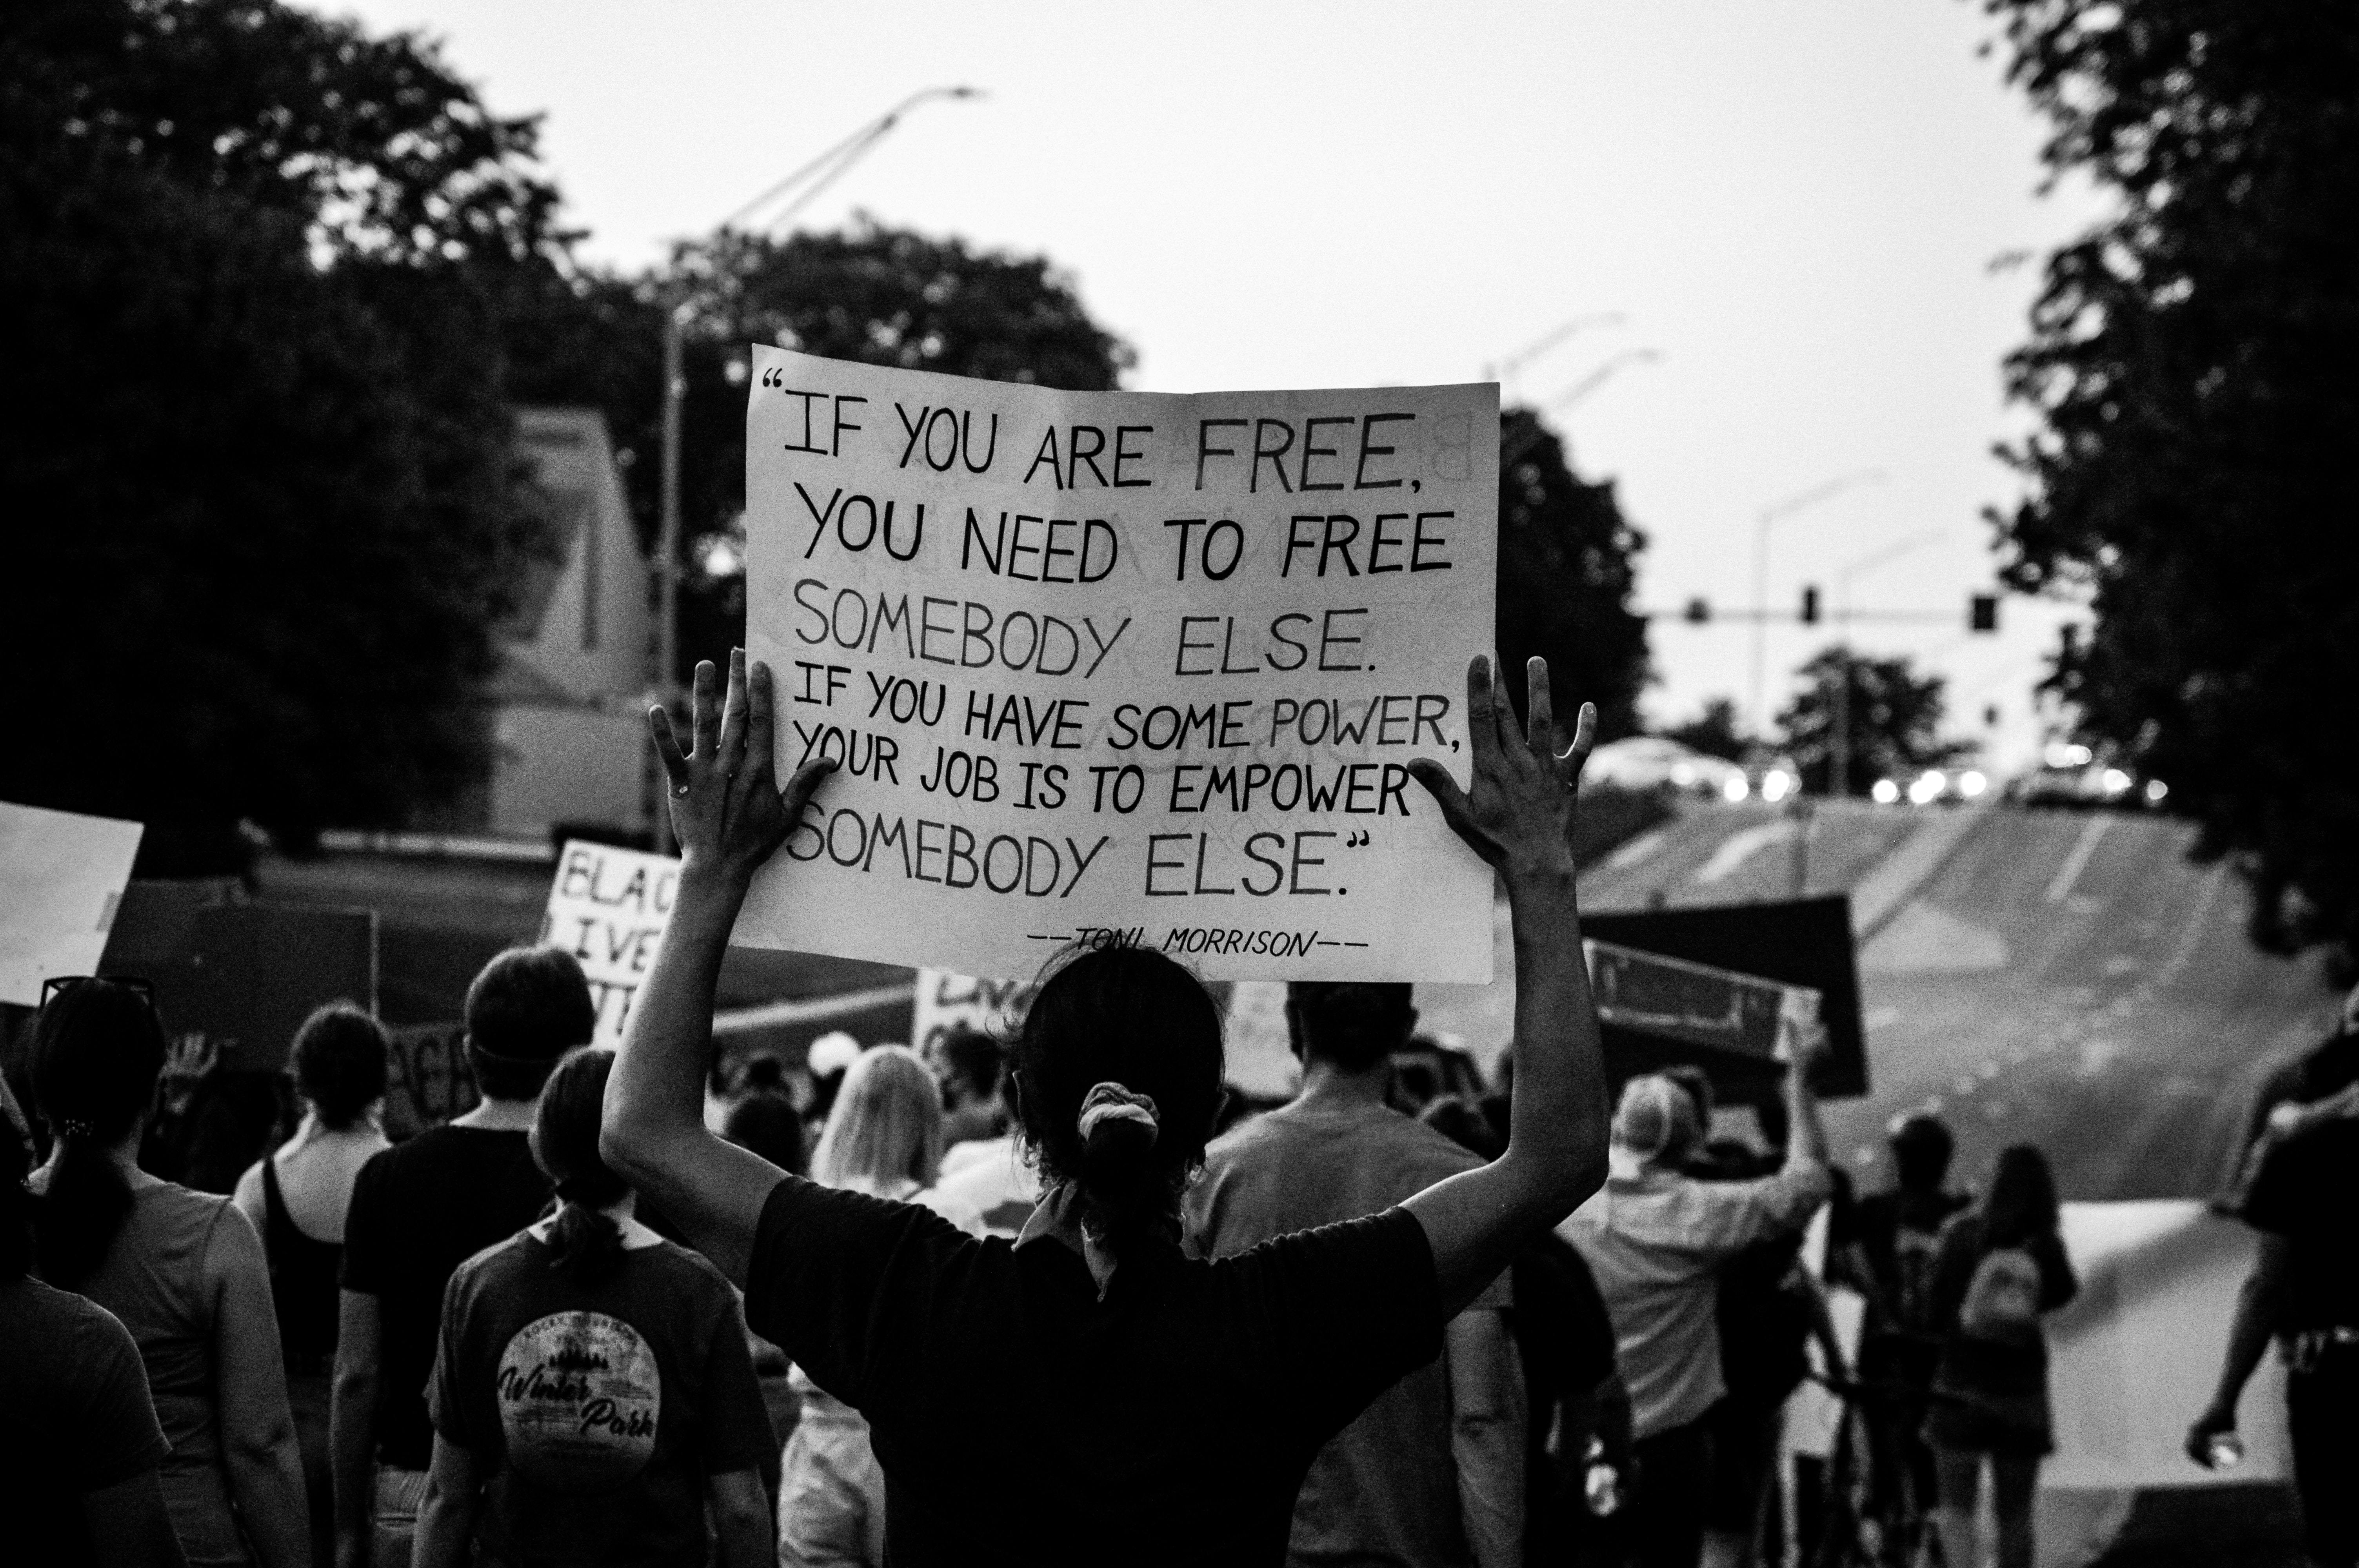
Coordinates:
(580, 1396)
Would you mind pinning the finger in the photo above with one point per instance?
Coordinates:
(1482, 720)
(704, 713)
(1539, 712)
(1456, 810)
(803, 784)
(659, 730)
(1584, 740)
(732, 753)
(761, 720)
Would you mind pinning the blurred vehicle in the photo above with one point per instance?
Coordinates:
(1933, 786)
(2072, 776)
(1652, 762)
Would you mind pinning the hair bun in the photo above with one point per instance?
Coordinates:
(1115, 1121)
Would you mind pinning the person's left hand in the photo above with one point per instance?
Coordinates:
(727, 812)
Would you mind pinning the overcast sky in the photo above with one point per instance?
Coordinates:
(1797, 206)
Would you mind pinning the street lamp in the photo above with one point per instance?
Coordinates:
(1839, 751)
(798, 188)
(1601, 375)
(1504, 371)
(1785, 509)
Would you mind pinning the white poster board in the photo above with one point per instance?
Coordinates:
(1126, 667)
(608, 907)
(945, 1000)
(61, 878)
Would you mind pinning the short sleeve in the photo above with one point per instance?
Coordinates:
(2281, 1193)
(113, 1433)
(449, 1406)
(1354, 1308)
(842, 1282)
(737, 1434)
(363, 1267)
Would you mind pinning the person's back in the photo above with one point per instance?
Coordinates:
(1385, 1489)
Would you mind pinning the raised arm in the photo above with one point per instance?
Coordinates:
(729, 815)
(1517, 815)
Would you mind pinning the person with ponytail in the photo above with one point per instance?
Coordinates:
(592, 1390)
(184, 1272)
(1087, 1393)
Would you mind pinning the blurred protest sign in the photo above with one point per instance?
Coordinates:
(1260, 1060)
(62, 878)
(947, 1002)
(608, 907)
(259, 969)
(1695, 1004)
(1120, 667)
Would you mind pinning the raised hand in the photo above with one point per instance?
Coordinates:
(1518, 810)
(727, 811)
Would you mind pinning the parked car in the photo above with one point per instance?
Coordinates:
(1653, 761)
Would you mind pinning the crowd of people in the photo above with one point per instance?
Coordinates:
(1050, 1298)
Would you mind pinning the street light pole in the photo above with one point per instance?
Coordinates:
(1839, 751)
(1504, 371)
(813, 177)
(1601, 375)
(1784, 509)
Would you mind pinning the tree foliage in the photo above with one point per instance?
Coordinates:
(1716, 731)
(259, 440)
(1895, 719)
(1567, 561)
(2193, 363)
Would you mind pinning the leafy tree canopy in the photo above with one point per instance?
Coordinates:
(2193, 363)
(1567, 560)
(1716, 731)
(1895, 719)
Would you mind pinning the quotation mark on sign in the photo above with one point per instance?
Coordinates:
(1358, 840)
(774, 376)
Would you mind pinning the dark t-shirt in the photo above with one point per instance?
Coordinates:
(2307, 1191)
(1021, 1419)
(75, 1417)
(418, 1210)
(600, 1409)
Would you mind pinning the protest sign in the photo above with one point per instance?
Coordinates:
(947, 1002)
(62, 878)
(608, 907)
(1120, 667)
(1695, 1004)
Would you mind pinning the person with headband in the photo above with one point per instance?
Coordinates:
(1146, 1408)
(593, 1394)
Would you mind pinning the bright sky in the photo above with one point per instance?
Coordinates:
(1795, 205)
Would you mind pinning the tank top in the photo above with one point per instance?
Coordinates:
(302, 1281)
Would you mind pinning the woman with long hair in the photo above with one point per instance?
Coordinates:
(883, 1138)
(1997, 1268)
(592, 1393)
(296, 1197)
(182, 1269)
(1087, 1393)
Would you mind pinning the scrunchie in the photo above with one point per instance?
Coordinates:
(1113, 1102)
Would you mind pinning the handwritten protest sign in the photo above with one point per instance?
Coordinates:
(608, 907)
(945, 1001)
(61, 878)
(1121, 666)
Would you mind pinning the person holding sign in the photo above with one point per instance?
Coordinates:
(1147, 1408)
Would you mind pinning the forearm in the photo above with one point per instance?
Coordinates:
(1557, 1125)
(2248, 1338)
(265, 1480)
(446, 1523)
(1806, 1139)
(351, 1459)
(658, 1088)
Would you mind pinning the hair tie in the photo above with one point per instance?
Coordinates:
(75, 1127)
(1112, 1102)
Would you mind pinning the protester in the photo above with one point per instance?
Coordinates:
(968, 1064)
(1087, 1394)
(1655, 1240)
(1431, 1473)
(79, 1447)
(994, 1181)
(1577, 1413)
(2304, 1289)
(1901, 1342)
(296, 1197)
(768, 1124)
(182, 1271)
(417, 1211)
(884, 1137)
(590, 1392)
(1998, 1265)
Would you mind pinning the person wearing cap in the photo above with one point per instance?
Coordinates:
(417, 1211)
(1655, 1240)
(1431, 1473)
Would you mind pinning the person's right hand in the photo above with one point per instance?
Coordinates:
(2215, 1421)
(727, 812)
(1518, 809)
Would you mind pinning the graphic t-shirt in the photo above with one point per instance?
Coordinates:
(418, 1210)
(2307, 1191)
(74, 1418)
(600, 1409)
(1167, 1422)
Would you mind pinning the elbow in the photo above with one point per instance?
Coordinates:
(625, 1142)
(1582, 1177)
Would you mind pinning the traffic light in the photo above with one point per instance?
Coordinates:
(1811, 604)
(1981, 613)
(1698, 612)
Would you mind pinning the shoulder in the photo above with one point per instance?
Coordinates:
(691, 1269)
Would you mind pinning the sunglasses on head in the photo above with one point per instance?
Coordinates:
(57, 985)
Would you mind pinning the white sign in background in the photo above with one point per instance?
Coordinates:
(62, 880)
(1121, 666)
(608, 907)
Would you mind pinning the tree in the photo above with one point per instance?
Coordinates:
(1895, 719)
(2193, 364)
(1716, 731)
(258, 438)
(1567, 559)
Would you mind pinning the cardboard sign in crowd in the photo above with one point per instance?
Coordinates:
(1129, 666)
(608, 907)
